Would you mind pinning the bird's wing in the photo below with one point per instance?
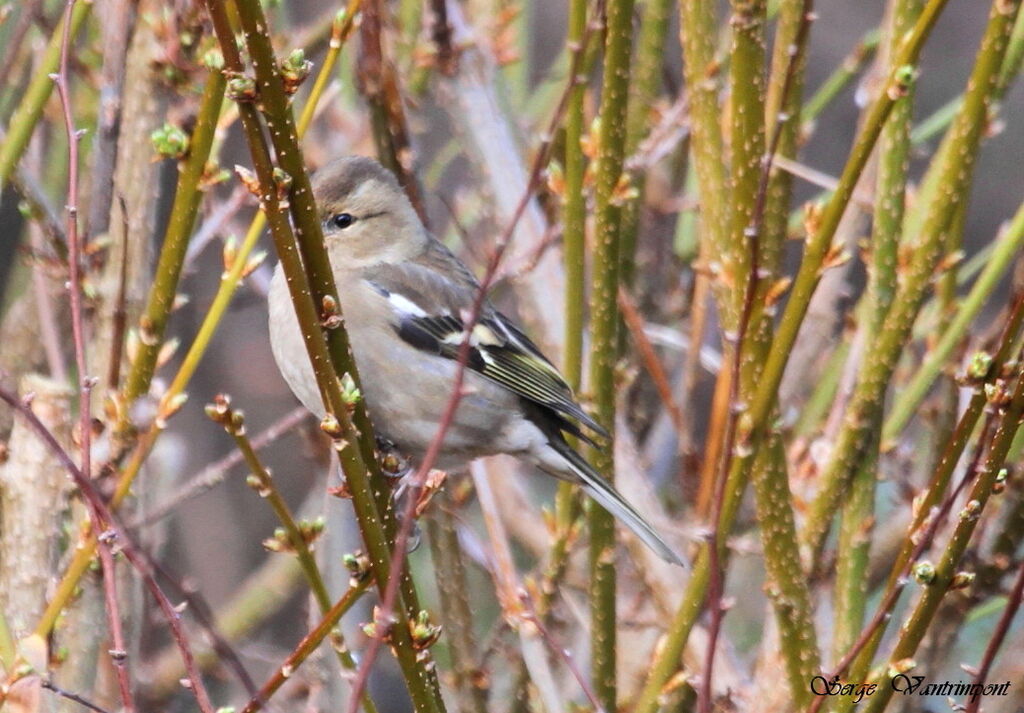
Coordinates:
(432, 297)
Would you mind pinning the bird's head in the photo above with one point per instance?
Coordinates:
(367, 218)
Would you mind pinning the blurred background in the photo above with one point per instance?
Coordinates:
(471, 142)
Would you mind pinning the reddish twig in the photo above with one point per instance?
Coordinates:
(419, 478)
(753, 233)
(635, 323)
(204, 617)
(110, 530)
(998, 636)
(213, 474)
(119, 652)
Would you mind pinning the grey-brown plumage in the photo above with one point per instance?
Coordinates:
(405, 298)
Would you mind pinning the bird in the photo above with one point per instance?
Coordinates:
(406, 300)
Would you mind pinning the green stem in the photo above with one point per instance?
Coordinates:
(700, 71)
(747, 129)
(916, 626)
(25, 117)
(1007, 249)
(938, 120)
(757, 231)
(754, 421)
(854, 544)
(187, 197)
(645, 82)
(8, 649)
(786, 583)
(574, 221)
(937, 486)
(954, 176)
(575, 210)
(604, 339)
(783, 114)
(453, 593)
(218, 308)
(310, 281)
(276, 107)
(264, 484)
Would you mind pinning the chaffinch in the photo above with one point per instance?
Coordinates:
(405, 299)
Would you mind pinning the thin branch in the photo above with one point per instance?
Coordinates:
(298, 536)
(399, 551)
(998, 636)
(307, 646)
(649, 358)
(213, 474)
(80, 700)
(105, 521)
(119, 653)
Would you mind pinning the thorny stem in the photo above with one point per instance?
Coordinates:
(604, 319)
(310, 281)
(954, 174)
(755, 420)
(765, 207)
(858, 512)
(741, 263)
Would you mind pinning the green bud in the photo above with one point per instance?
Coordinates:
(242, 88)
(294, 70)
(924, 572)
(350, 394)
(170, 141)
(980, 366)
(905, 75)
(424, 633)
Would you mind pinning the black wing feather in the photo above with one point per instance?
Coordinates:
(498, 349)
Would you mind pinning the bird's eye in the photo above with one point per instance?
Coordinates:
(342, 220)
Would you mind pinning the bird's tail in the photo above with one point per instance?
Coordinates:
(609, 498)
